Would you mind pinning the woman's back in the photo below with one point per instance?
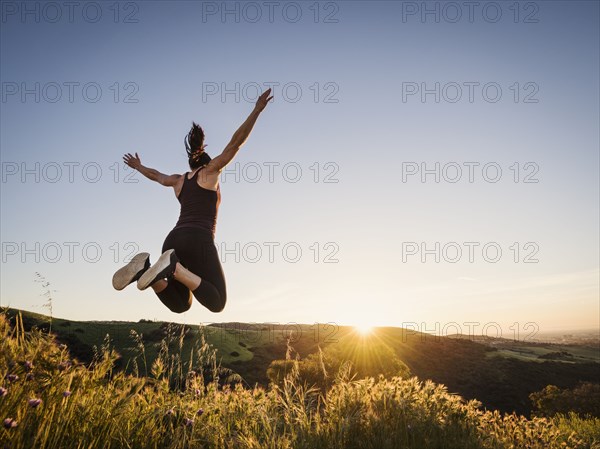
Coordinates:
(199, 206)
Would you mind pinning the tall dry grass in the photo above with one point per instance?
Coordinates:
(49, 401)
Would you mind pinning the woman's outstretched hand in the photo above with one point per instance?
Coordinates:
(262, 101)
(132, 161)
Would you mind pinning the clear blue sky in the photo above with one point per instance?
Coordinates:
(358, 117)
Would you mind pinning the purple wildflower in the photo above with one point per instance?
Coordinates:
(10, 423)
(34, 403)
(12, 377)
(198, 392)
(28, 365)
(188, 422)
(200, 412)
(3, 392)
(62, 366)
(66, 394)
(29, 376)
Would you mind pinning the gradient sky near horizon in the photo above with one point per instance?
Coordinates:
(341, 136)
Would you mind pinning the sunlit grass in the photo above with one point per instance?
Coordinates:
(49, 401)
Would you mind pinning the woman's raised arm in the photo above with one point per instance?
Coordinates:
(240, 136)
(150, 173)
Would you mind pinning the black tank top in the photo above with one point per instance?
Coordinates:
(199, 206)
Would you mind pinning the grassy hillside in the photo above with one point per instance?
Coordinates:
(499, 373)
(48, 401)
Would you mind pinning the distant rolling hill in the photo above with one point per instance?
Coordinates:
(500, 373)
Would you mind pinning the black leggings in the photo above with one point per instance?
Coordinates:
(197, 252)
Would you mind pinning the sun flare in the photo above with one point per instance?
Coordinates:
(364, 329)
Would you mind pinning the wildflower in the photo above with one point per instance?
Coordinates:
(34, 403)
(28, 365)
(3, 392)
(198, 392)
(200, 412)
(12, 377)
(188, 422)
(66, 394)
(10, 423)
(62, 366)
(29, 376)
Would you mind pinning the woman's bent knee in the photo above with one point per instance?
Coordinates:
(210, 297)
(218, 306)
(179, 308)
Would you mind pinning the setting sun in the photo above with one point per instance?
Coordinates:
(364, 329)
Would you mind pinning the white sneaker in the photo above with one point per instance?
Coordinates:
(132, 271)
(163, 268)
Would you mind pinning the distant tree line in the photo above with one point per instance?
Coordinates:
(584, 400)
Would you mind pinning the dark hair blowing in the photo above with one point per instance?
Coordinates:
(193, 146)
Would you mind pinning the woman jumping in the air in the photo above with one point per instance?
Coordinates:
(189, 262)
